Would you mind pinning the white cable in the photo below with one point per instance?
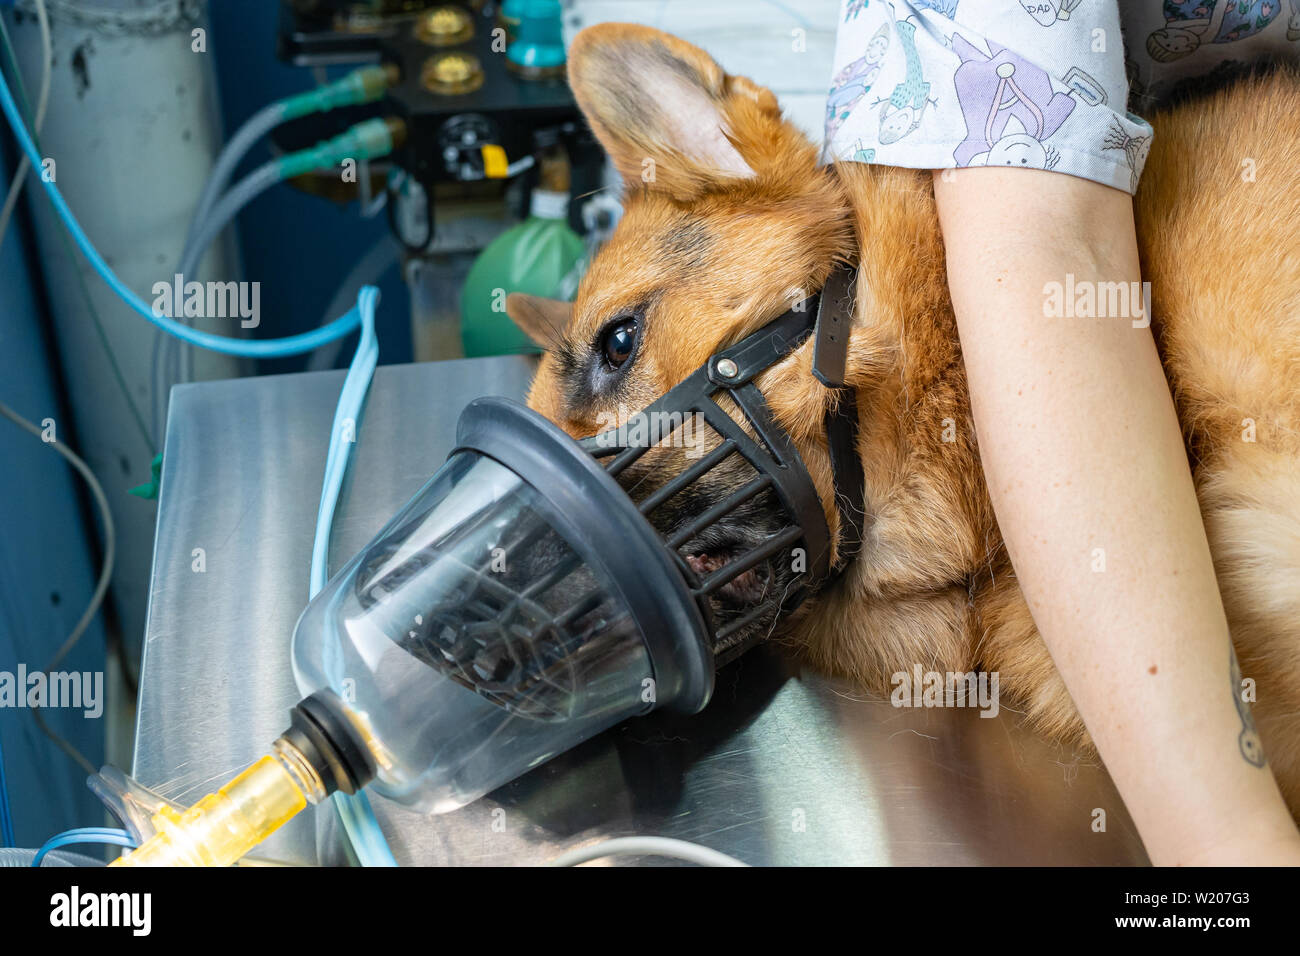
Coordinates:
(214, 222)
(245, 138)
(105, 571)
(369, 206)
(220, 213)
(518, 166)
(169, 364)
(646, 846)
(42, 101)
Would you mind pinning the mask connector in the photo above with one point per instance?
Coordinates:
(321, 752)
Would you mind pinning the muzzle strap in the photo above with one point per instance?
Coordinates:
(850, 482)
(835, 307)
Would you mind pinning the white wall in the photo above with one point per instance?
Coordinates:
(755, 38)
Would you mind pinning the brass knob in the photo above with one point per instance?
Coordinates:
(452, 73)
(445, 26)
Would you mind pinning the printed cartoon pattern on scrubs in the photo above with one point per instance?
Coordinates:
(1047, 84)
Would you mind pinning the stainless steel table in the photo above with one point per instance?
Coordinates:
(783, 767)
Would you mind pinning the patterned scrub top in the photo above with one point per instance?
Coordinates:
(1049, 84)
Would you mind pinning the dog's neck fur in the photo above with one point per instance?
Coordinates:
(925, 494)
(905, 363)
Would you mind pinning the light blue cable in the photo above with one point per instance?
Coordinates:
(245, 348)
(358, 818)
(105, 835)
(354, 811)
(6, 813)
(348, 409)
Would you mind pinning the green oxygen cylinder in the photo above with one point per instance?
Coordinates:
(533, 257)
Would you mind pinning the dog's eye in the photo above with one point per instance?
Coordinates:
(618, 341)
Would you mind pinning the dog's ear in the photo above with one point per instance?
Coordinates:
(666, 113)
(542, 320)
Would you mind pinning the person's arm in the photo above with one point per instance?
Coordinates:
(1082, 450)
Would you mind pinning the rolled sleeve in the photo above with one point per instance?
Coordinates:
(958, 83)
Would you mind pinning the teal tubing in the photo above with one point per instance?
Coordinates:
(360, 86)
(363, 85)
(370, 139)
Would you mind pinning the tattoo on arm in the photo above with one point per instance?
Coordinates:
(1251, 748)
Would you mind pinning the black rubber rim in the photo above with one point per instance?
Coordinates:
(604, 526)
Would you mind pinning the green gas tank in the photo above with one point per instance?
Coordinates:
(534, 257)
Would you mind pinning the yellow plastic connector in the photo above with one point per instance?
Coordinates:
(495, 165)
(225, 825)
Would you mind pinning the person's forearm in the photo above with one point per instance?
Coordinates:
(1090, 481)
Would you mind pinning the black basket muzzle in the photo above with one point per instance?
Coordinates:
(673, 599)
(776, 477)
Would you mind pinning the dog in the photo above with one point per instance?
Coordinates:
(729, 218)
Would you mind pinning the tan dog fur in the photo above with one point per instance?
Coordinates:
(738, 219)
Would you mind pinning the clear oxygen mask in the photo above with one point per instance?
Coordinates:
(471, 639)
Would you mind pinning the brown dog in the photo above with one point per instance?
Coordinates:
(728, 218)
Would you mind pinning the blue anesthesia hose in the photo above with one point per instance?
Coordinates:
(346, 413)
(84, 835)
(244, 348)
(355, 812)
